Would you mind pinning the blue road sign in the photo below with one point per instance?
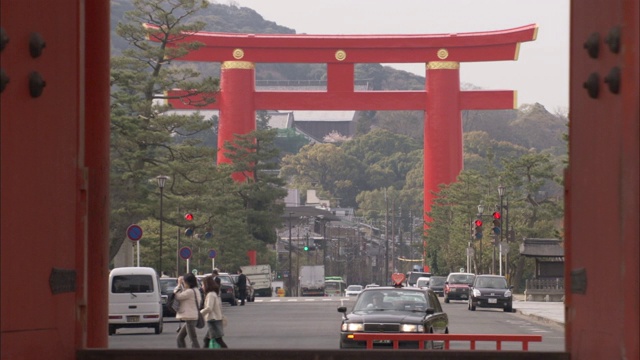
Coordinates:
(212, 254)
(185, 253)
(134, 232)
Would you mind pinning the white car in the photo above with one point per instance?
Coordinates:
(353, 290)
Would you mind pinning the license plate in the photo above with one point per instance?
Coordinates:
(493, 301)
(382, 341)
(133, 318)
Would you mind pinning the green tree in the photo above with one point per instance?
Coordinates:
(143, 132)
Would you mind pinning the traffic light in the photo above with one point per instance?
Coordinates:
(188, 216)
(477, 229)
(497, 223)
(306, 248)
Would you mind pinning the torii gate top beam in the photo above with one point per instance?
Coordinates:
(278, 48)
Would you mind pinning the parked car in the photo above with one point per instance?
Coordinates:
(134, 299)
(490, 291)
(250, 291)
(353, 290)
(457, 286)
(166, 288)
(437, 284)
(393, 310)
(227, 289)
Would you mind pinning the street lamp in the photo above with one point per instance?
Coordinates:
(501, 194)
(162, 179)
(480, 211)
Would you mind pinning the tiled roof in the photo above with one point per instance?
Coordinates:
(542, 248)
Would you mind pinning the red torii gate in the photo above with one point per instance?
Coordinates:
(442, 100)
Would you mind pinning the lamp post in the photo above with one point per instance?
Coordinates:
(162, 179)
(501, 194)
(480, 211)
(290, 261)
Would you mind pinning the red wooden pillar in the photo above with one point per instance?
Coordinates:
(442, 128)
(237, 113)
(97, 161)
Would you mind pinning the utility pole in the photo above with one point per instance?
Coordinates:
(386, 238)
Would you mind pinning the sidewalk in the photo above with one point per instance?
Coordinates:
(545, 311)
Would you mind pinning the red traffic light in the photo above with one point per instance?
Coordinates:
(478, 223)
(496, 215)
(188, 216)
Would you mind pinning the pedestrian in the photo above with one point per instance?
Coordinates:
(188, 294)
(164, 275)
(215, 274)
(242, 286)
(212, 312)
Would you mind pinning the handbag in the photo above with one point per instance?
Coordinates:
(200, 322)
(173, 304)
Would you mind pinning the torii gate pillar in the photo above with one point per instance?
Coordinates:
(442, 127)
(237, 112)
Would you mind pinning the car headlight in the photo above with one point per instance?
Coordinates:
(507, 293)
(352, 327)
(411, 328)
(476, 293)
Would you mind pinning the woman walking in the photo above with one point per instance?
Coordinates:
(188, 294)
(212, 312)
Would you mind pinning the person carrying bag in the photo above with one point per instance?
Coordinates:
(188, 310)
(212, 313)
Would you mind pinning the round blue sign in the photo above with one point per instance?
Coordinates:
(134, 232)
(185, 253)
(212, 254)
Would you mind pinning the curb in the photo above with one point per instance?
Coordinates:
(539, 318)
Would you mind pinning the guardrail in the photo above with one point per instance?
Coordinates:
(447, 338)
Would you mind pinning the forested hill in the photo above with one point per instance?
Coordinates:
(531, 126)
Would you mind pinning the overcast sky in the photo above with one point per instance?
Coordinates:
(540, 75)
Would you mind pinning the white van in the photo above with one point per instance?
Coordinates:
(134, 299)
(423, 282)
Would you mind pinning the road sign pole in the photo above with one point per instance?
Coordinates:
(138, 251)
(187, 265)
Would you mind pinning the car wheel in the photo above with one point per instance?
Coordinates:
(508, 308)
(112, 330)
(158, 328)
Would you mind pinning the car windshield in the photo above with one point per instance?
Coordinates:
(391, 300)
(436, 281)
(354, 288)
(167, 285)
(461, 279)
(491, 283)
(132, 284)
(226, 279)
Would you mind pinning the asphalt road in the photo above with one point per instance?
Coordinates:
(313, 323)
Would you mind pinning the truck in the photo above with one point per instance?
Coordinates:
(260, 278)
(312, 280)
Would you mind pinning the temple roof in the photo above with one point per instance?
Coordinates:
(533, 247)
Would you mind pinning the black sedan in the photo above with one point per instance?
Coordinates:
(166, 289)
(490, 291)
(393, 310)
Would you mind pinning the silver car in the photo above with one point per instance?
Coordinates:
(353, 290)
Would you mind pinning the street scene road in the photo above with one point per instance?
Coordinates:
(313, 323)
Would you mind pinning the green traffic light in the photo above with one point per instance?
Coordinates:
(306, 248)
